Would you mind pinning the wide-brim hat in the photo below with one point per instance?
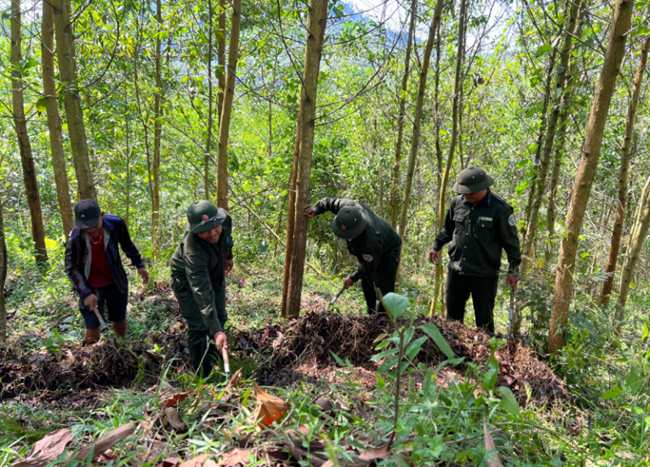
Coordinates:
(203, 216)
(349, 223)
(472, 180)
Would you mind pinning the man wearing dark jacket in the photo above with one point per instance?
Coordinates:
(479, 225)
(371, 239)
(198, 271)
(93, 264)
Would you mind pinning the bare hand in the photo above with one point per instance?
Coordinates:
(144, 274)
(91, 301)
(348, 282)
(310, 212)
(433, 256)
(229, 265)
(220, 341)
(512, 281)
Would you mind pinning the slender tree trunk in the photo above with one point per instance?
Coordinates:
(221, 74)
(587, 170)
(452, 145)
(208, 143)
(560, 82)
(128, 153)
(635, 245)
(157, 136)
(65, 52)
(617, 233)
(316, 19)
(419, 105)
(54, 120)
(226, 112)
(400, 118)
(20, 123)
(551, 214)
(3, 277)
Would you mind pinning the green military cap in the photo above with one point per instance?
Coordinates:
(349, 222)
(472, 179)
(203, 216)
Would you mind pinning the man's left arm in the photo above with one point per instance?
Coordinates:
(130, 249)
(229, 243)
(510, 242)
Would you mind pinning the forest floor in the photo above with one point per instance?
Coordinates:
(138, 403)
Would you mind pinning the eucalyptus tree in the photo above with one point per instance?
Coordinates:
(3, 275)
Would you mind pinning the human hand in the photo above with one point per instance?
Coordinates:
(348, 282)
(144, 274)
(91, 301)
(310, 212)
(220, 341)
(433, 256)
(512, 281)
(229, 265)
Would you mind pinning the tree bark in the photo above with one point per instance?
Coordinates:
(54, 119)
(3, 277)
(65, 52)
(316, 19)
(208, 142)
(619, 219)
(157, 136)
(222, 57)
(20, 124)
(226, 112)
(551, 127)
(586, 171)
(635, 245)
(419, 105)
(452, 145)
(400, 119)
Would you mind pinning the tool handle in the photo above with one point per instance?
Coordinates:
(226, 362)
(99, 317)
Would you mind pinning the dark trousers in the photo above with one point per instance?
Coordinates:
(384, 278)
(203, 351)
(483, 291)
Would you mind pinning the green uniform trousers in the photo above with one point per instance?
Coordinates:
(203, 351)
(384, 278)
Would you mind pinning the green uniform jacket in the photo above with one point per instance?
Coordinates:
(478, 234)
(201, 267)
(379, 242)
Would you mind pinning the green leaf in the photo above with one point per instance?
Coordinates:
(434, 333)
(633, 381)
(414, 348)
(614, 392)
(645, 332)
(395, 304)
(426, 383)
(389, 363)
(41, 104)
(543, 49)
(338, 359)
(385, 353)
(508, 401)
(381, 382)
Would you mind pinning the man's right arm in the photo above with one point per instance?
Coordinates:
(333, 205)
(74, 266)
(447, 233)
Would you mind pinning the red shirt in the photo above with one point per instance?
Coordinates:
(100, 274)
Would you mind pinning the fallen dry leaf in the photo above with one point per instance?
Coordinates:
(105, 442)
(175, 420)
(375, 454)
(269, 408)
(199, 461)
(47, 449)
(236, 381)
(235, 458)
(491, 449)
(170, 462)
(173, 399)
(324, 404)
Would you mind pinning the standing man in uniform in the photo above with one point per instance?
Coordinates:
(479, 226)
(198, 271)
(94, 266)
(371, 239)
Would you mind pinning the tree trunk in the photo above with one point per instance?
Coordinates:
(222, 57)
(587, 170)
(415, 141)
(3, 277)
(20, 123)
(560, 83)
(208, 143)
(400, 118)
(623, 175)
(54, 120)
(635, 245)
(226, 112)
(72, 101)
(157, 135)
(452, 145)
(316, 19)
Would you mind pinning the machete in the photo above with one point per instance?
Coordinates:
(336, 297)
(99, 317)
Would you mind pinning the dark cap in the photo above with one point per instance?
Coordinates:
(472, 180)
(86, 214)
(349, 223)
(203, 216)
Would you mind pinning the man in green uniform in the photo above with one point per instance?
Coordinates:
(198, 272)
(371, 239)
(479, 226)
